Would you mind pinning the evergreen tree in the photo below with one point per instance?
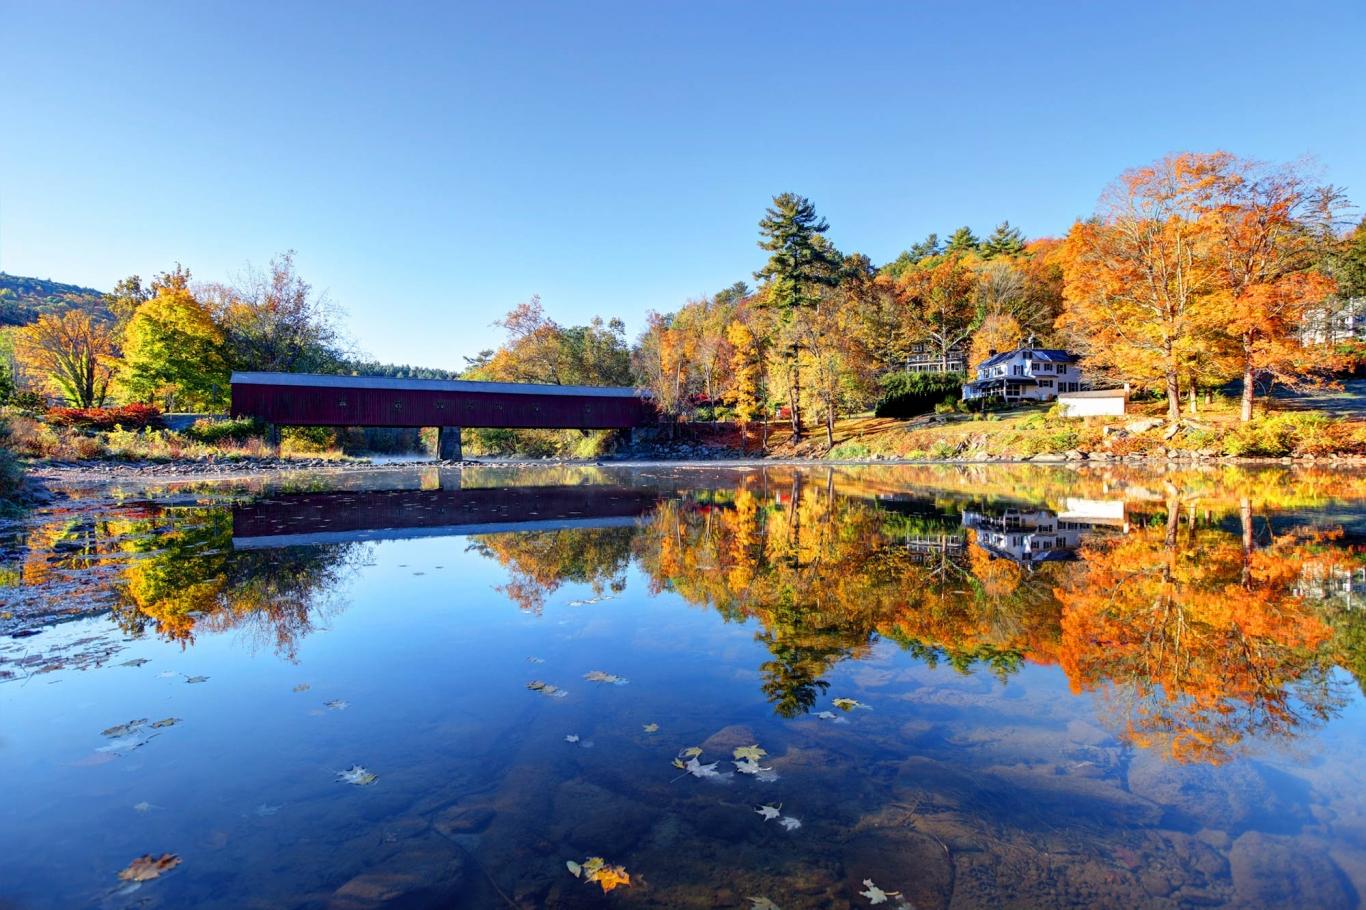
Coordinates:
(930, 246)
(800, 261)
(1004, 241)
(963, 240)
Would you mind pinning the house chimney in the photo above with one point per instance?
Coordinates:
(991, 352)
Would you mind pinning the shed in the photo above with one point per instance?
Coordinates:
(1101, 402)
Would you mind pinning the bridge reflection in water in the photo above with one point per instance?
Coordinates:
(337, 517)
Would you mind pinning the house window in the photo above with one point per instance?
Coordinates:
(1045, 383)
(1017, 370)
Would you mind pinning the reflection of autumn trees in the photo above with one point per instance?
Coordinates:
(1207, 623)
(823, 573)
(189, 578)
(1199, 632)
(539, 562)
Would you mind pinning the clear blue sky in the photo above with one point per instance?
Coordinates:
(435, 164)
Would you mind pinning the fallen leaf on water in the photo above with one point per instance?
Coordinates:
(651, 728)
(123, 729)
(546, 688)
(572, 738)
(146, 867)
(678, 763)
(691, 751)
(166, 722)
(337, 704)
(762, 903)
(750, 753)
(848, 704)
(196, 679)
(749, 766)
(358, 775)
(697, 769)
(826, 715)
(302, 687)
(875, 894)
(599, 676)
(789, 823)
(596, 869)
(770, 812)
(135, 662)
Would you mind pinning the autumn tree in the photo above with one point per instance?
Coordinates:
(124, 300)
(1001, 332)
(801, 262)
(1138, 276)
(938, 304)
(1265, 246)
(273, 320)
(172, 350)
(74, 353)
(747, 392)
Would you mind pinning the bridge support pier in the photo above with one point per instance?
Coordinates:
(448, 444)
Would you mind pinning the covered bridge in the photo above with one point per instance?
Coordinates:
(309, 399)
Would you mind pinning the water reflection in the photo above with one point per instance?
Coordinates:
(1201, 621)
(1204, 613)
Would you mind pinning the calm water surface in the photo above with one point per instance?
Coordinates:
(970, 687)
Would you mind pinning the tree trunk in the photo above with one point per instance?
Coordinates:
(1173, 397)
(1191, 407)
(794, 401)
(1248, 378)
(830, 426)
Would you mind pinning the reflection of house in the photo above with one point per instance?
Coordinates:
(1031, 536)
(1332, 583)
(1025, 374)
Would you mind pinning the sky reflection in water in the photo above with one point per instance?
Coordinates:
(1094, 688)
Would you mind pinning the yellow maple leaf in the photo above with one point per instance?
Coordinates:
(752, 753)
(612, 876)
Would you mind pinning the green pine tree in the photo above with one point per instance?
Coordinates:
(800, 261)
(962, 240)
(1004, 241)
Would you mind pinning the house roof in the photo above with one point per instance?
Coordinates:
(1000, 381)
(1049, 355)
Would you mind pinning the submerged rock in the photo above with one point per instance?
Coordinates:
(1275, 872)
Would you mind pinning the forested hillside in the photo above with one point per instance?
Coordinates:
(23, 300)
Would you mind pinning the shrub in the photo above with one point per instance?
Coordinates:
(1282, 434)
(135, 416)
(942, 450)
(913, 394)
(30, 404)
(849, 450)
(212, 432)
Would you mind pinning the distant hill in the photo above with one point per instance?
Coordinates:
(23, 300)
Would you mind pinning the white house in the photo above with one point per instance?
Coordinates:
(1032, 536)
(1026, 374)
(1102, 402)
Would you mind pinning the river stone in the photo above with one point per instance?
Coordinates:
(1273, 872)
(722, 744)
(429, 875)
(1227, 797)
(898, 860)
(598, 821)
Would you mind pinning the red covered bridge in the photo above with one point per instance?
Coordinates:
(307, 399)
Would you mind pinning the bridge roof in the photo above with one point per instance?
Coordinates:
(332, 381)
